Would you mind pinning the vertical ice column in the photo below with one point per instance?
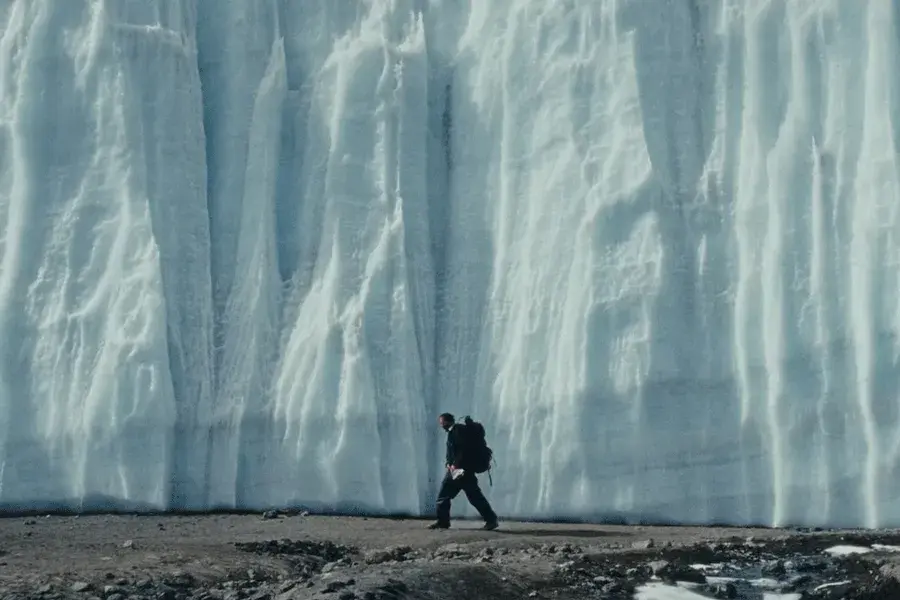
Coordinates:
(105, 275)
(874, 255)
(351, 380)
(554, 260)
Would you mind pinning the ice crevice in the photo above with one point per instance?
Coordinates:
(249, 250)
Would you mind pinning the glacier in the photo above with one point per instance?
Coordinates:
(250, 250)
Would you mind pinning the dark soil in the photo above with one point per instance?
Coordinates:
(283, 557)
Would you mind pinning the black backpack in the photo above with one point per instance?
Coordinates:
(478, 454)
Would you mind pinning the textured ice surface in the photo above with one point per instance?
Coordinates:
(248, 250)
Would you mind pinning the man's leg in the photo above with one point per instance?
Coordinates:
(449, 489)
(476, 499)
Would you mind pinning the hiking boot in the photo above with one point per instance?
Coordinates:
(439, 525)
(491, 525)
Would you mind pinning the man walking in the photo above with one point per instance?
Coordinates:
(458, 478)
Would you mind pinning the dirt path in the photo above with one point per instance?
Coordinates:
(93, 545)
(231, 557)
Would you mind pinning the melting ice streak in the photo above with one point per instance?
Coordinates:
(248, 250)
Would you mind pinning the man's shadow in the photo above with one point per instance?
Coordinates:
(560, 533)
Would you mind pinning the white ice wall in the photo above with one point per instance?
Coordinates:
(249, 250)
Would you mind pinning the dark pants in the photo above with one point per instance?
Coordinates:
(467, 483)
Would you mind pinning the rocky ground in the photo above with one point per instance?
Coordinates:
(293, 556)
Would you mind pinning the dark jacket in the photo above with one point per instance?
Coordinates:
(456, 447)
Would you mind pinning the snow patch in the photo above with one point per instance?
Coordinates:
(847, 550)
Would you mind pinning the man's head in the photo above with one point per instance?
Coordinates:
(446, 420)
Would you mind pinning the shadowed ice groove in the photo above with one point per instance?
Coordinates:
(440, 39)
(249, 250)
(163, 106)
(246, 84)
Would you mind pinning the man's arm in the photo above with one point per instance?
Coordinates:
(458, 448)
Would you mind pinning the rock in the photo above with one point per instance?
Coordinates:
(394, 553)
(890, 570)
(128, 544)
(334, 586)
(395, 585)
(270, 514)
(723, 590)
(810, 566)
(287, 586)
(658, 565)
(797, 582)
(167, 594)
(774, 569)
(643, 545)
(882, 588)
(80, 586)
(641, 572)
(451, 551)
(44, 589)
(675, 573)
(325, 551)
(179, 579)
(619, 589)
(564, 567)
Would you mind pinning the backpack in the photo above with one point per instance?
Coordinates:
(479, 455)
